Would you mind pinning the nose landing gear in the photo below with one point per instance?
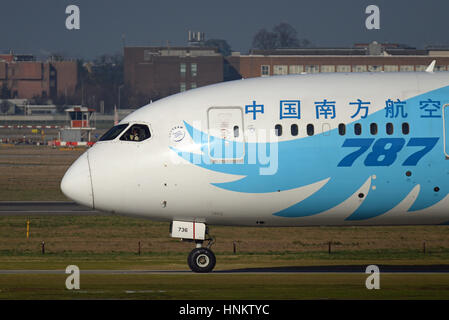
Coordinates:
(201, 259)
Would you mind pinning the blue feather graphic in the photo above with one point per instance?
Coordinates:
(304, 161)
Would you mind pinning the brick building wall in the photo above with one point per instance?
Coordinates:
(26, 79)
(157, 72)
(66, 76)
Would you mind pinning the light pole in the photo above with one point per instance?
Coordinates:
(119, 88)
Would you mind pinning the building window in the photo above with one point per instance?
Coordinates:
(420, 68)
(295, 69)
(391, 68)
(183, 69)
(192, 85)
(182, 87)
(406, 68)
(374, 68)
(327, 68)
(264, 70)
(147, 55)
(440, 68)
(343, 68)
(359, 68)
(312, 68)
(193, 69)
(280, 70)
(294, 129)
(342, 129)
(278, 130)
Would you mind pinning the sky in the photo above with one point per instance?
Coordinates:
(38, 26)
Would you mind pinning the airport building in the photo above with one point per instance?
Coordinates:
(373, 57)
(157, 72)
(25, 78)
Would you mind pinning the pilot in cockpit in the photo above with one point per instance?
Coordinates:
(134, 136)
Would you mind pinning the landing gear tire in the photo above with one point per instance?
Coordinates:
(201, 260)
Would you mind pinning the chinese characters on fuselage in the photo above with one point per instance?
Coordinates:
(326, 109)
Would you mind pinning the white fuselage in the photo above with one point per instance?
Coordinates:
(286, 180)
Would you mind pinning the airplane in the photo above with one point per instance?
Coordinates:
(325, 149)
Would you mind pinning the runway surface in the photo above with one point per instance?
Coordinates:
(354, 269)
(43, 208)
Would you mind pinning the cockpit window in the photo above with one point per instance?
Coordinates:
(113, 133)
(137, 132)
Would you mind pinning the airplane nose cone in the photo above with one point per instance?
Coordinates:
(76, 183)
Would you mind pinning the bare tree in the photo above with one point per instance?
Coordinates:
(304, 43)
(223, 46)
(282, 36)
(5, 106)
(5, 92)
(286, 36)
(265, 40)
(57, 56)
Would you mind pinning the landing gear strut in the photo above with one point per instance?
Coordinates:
(201, 259)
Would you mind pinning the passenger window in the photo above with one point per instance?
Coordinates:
(278, 130)
(310, 129)
(389, 128)
(137, 132)
(405, 128)
(294, 129)
(236, 131)
(358, 129)
(342, 129)
(373, 128)
(113, 133)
